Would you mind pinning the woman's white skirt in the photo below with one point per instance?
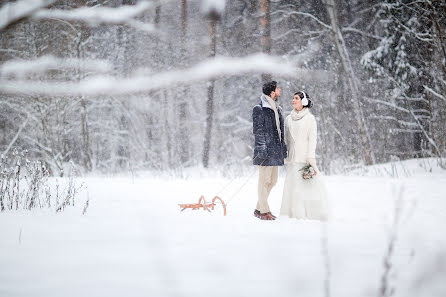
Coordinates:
(304, 198)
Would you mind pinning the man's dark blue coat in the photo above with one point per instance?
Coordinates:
(269, 149)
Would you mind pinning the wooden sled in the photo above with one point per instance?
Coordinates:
(205, 205)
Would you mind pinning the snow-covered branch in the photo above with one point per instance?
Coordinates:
(399, 130)
(209, 69)
(412, 99)
(15, 11)
(298, 31)
(434, 93)
(45, 63)
(15, 137)
(392, 105)
(422, 36)
(138, 25)
(393, 118)
(426, 134)
(96, 15)
(124, 15)
(213, 6)
(306, 14)
(354, 30)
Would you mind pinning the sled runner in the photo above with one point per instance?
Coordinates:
(203, 204)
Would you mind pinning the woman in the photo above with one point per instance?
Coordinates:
(302, 198)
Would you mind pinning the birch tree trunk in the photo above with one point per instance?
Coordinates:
(351, 79)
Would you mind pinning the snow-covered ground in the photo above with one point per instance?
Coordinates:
(134, 241)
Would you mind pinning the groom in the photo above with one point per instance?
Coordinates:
(269, 149)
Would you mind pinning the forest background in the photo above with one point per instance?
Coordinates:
(375, 70)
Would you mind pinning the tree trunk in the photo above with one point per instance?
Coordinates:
(85, 137)
(441, 44)
(86, 150)
(351, 79)
(157, 15)
(183, 126)
(167, 129)
(127, 44)
(210, 101)
(440, 39)
(265, 24)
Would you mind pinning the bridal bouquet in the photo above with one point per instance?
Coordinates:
(307, 171)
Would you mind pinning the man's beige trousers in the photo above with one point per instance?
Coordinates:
(267, 180)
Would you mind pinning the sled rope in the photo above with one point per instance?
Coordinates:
(232, 180)
(241, 187)
(244, 184)
(222, 189)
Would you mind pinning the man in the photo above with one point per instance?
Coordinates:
(269, 149)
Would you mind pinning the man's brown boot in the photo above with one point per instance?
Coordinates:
(273, 215)
(267, 216)
(257, 213)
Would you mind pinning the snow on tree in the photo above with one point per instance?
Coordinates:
(123, 85)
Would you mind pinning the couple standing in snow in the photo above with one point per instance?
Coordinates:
(291, 142)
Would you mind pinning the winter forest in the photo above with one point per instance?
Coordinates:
(118, 116)
(119, 86)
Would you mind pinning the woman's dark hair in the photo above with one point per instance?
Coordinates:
(303, 95)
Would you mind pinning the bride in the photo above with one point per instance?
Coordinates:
(303, 198)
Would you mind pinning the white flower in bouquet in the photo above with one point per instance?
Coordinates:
(307, 171)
